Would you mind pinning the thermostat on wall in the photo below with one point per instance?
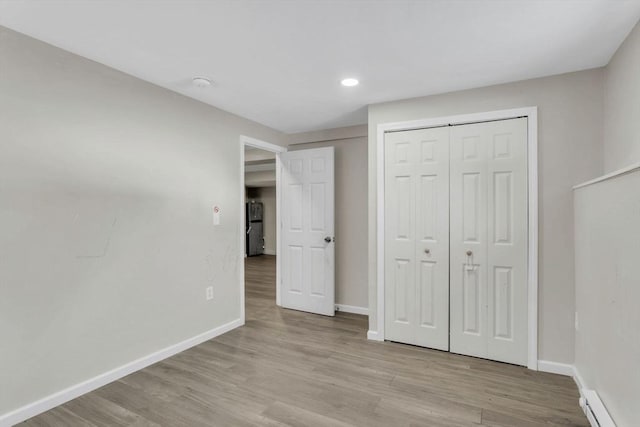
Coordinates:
(216, 215)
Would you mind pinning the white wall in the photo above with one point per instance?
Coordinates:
(351, 207)
(266, 195)
(106, 236)
(570, 151)
(607, 241)
(622, 105)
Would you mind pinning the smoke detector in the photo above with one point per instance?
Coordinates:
(201, 82)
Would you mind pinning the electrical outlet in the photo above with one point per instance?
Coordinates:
(209, 293)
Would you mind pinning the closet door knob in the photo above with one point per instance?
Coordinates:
(427, 251)
(469, 253)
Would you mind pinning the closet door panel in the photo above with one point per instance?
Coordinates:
(400, 239)
(489, 240)
(507, 245)
(416, 237)
(468, 204)
(432, 242)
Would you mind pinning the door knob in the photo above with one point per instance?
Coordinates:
(427, 251)
(328, 239)
(469, 253)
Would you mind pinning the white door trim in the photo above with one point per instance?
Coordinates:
(532, 177)
(267, 146)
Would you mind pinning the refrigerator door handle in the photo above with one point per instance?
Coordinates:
(249, 230)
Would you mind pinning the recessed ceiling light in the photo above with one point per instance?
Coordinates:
(350, 82)
(201, 82)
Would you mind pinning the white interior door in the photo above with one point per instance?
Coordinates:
(417, 237)
(488, 172)
(307, 239)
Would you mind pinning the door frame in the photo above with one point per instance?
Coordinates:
(532, 200)
(246, 141)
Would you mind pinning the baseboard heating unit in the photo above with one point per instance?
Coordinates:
(595, 410)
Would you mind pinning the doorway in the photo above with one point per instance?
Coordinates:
(303, 230)
(260, 203)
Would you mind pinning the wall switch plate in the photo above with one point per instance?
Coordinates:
(209, 293)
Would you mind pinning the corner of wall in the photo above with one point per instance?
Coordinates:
(621, 89)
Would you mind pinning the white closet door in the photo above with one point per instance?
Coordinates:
(489, 240)
(417, 237)
(308, 248)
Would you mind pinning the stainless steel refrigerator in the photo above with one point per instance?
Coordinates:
(255, 236)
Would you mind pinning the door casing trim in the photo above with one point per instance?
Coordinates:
(532, 200)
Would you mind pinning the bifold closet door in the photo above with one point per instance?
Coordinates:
(488, 172)
(417, 237)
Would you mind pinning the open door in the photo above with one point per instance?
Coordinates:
(307, 238)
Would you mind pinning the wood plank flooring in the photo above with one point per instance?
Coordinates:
(288, 368)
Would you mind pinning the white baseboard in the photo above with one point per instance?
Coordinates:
(594, 409)
(556, 368)
(577, 378)
(269, 252)
(591, 404)
(352, 309)
(374, 336)
(32, 409)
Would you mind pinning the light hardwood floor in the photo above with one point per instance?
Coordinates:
(288, 368)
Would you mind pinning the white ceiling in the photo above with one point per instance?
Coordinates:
(280, 62)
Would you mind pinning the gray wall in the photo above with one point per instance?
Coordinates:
(607, 239)
(569, 152)
(622, 105)
(260, 179)
(106, 236)
(351, 207)
(253, 154)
